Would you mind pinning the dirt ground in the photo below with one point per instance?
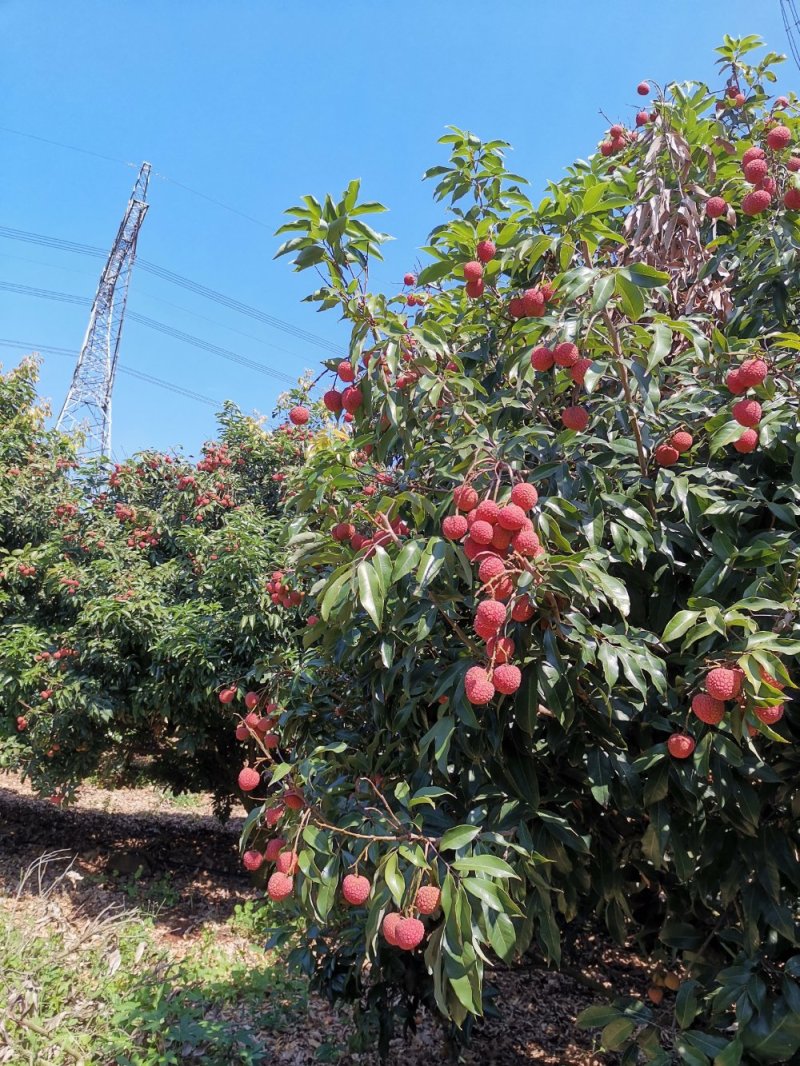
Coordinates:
(174, 852)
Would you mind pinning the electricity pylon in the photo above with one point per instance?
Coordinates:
(87, 406)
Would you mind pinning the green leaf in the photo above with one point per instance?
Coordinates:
(647, 277)
(485, 864)
(370, 592)
(679, 624)
(503, 937)
(616, 1033)
(597, 1016)
(458, 836)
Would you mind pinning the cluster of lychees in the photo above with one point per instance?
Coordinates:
(618, 138)
(281, 593)
(566, 355)
(367, 542)
(500, 540)
(349, 399)
(761, 169)
(747, 412)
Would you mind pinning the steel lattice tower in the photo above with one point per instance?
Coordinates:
(88, 403)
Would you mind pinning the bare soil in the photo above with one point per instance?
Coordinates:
(141, 849)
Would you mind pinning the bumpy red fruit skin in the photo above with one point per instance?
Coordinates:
(707, 709)
(242, 732)
(723, 683)
(769, 715)
(680, 745)
(249, 779)
(525, 543)
(356, 889)
(507, 679)
(486, 251)
(410, 932)
(757, 201)
(753, 372)
(478, 687)
(298, 416)
(716, 207)
(409, 279)
(643, 88)
(465, 497)
(748, 442)
(755, 170)
(427, 899)
(752, 153)
(474, 289)
(472, 549)
(345, 371)
(681, 441)
(473, 271)
(525, 496)
(491, 613)
(566, 354)
(389, 928)
(522, 611)
(779, 137)
(666, 455)
(511, 517)
(793, 164)
(542, 359)
(747, 412)
(578, 372)
(576, 418)
(279, 887)
(487, 511)
(274, 848)
(481, 532)
(733, 379)
(251, 700)
(533, 303)
(791, 199)
(286, 862)
(352, 399)
(516, 307)
(501, 649)
(454, 527)
(501, 538)
(491, 567)
(252, 860)
(642, 118)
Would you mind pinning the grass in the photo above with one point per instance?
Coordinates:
(102, 990)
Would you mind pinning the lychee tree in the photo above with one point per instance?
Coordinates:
(555, 565)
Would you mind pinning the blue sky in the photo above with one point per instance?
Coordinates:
(256, 103)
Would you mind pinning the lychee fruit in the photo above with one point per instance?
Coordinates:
(409, 279)
(491, 614)
(286, 862)
(249, 779)
(474, 289)
(755, 152)
(578, 371)
(487, 511)
(533, 303)
(356, 889)
(454, 527)
(524, 495)
(486, 250)
(242, 732)
(716, 207)
(294, 800)
(757, 201)
(352, 399)
(791, 198)
(427, 899)
(274, 848)
(507, 678)
(724, 682)
(643, 89)
(755, 170)
(666, 455)
(769, 715)
(642, 118)
(526, 543)
(680, 745)
(345, 370)
(575, 418)
(252, 860)
(473, 271)
(501, 538)
(753, 372)
(465, 497)
(793, 164)
(227, 694)
(566, 354)
(409, 933)
(251, 700)
(748, 442)
(707, 709)
(298, 416)
(481, 532)
(279, 887)
(733, 379)
(770, 680)
(478, 687)
(747, 412)
(389, 927)
(522, 611)
(681, 441)
(542, 358)
(511, 517)
(501, 649)
(779, 137)
(491, 567)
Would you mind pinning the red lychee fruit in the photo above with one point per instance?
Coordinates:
(739, 99)
(734, 382)
(274, 848)
(522, 611)
(753, 372)
(298, 416)
(757, 201)
(227, 695)
(526, 543)
(251, 700)
(294, 800)
(389, 928)
(345, 370)
(724, 682)
(681, 441)
(707, 709)
(481, 532)
(487, 511)
(279, 887)
(781, 102)
(752, 153)
(427, 899)
(791, 199)
(524, 495)
(748, 442)
(286, 862)
(473, 271)
(491, 567)
(716, 207)
(541, 358)
(516, 308)
(491, 614)
(779, 137)
(606, 148)
(501, 538)
(465, 497)
(249, 779)
(755, 170)
(578, 371)
(642, 118)
(242, 732)
(566, 354)
(474, 289)
(352, 398)
(643, 89)
(486, 250)
(409, 279)
(507, 678)
(454, 527)
(472, 549)
(533, 303)
(793, 164)
(273, 815)
(747, 412)
(511, 517)
(356, 889)
(680, 745)
(575, 418)
(769, 715)
(410, 932)
(501, 649)
(22, 723)
(478, 687)
(666, 455)
(252, 860)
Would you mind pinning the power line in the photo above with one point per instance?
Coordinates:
(176, 279)
(160, 382)
(151, 323)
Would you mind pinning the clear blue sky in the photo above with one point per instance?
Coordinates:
(256, 103)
